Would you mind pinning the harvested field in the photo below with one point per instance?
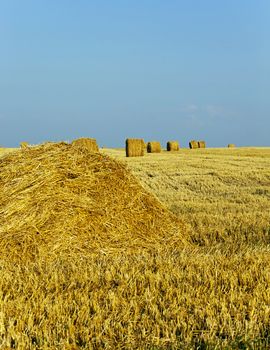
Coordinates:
(223, 193)
(145, 294)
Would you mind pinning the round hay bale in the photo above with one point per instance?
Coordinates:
(201, 144)
(57, 200)
(172, 146)
(231, 145)
(193, 144)
(134, 147)
(86, 143)
(153, 147)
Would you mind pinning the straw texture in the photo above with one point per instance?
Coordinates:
(231, 145)
(59, 199)
(24, 144)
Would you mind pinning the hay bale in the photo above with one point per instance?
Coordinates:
(193, 144)
(231, 145)
(201, 144)
(87, 143)
(134, 147)
(153, 147)
(172, 146)
(24, 144)
(59, 201)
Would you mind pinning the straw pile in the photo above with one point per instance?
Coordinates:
(231, 145)
(172, 146)
(134, 147)
(153, 147)
(24, 144)
(193, 144)
(58, 199)
(87, 143)
(201, 144)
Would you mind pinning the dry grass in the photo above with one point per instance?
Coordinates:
(212, 294)
(223, 193)
(144, 300)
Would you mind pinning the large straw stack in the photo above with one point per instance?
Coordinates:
(231, 145)
(153, 147)
(59, 201)
(193, 144)
(87, 143)
(201, 144)
(135, 147)
(172, 146)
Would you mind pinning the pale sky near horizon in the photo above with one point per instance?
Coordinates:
(160, 70)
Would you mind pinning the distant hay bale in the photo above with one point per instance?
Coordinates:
(172, 146)
(231, 145)
(193, 144)
(135, 147)
(201, 144)
(24, 144)
(153, 147)
(86, 143)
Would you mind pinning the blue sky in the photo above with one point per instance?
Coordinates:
(155, 69)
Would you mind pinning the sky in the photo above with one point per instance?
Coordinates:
(153, 69)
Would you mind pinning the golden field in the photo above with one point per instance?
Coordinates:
(212, 293)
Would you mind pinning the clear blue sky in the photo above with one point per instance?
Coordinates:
(156, 69)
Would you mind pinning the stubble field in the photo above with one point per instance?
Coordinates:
(212, 293)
